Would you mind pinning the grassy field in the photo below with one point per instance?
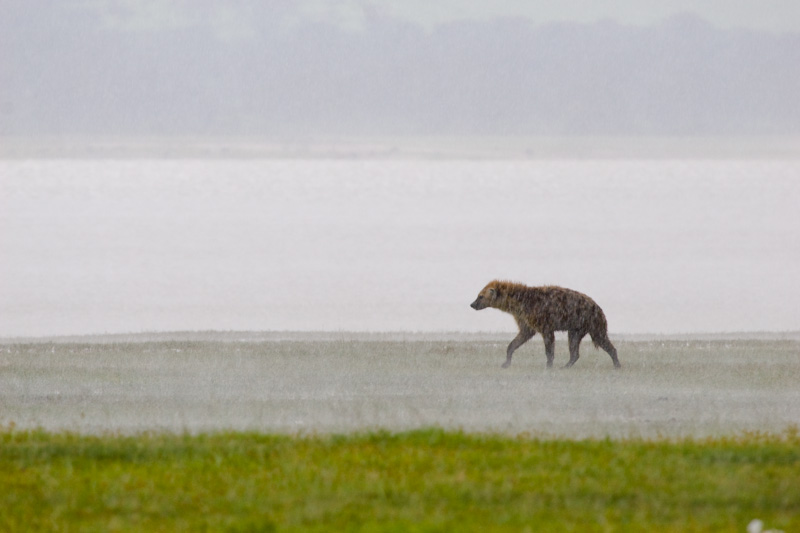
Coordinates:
(424, 480)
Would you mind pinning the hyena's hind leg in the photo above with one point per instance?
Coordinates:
(549, 347)
(522, 337)
(601, 341)
(574, 337)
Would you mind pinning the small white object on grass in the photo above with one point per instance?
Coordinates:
(757, 526)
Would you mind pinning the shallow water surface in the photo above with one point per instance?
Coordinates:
(664, 246)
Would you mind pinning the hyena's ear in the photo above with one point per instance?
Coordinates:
(492, 293)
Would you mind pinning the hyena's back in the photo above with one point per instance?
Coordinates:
(560, 309)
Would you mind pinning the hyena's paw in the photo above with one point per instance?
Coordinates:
(506, 364)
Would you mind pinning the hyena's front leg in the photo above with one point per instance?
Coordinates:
(549, 347)
(522, 337)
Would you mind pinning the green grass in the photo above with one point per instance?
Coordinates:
(427, 480)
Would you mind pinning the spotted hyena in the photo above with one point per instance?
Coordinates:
(546, 310)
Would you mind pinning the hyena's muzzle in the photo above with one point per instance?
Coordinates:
(478, 304)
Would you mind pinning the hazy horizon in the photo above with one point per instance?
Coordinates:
(317, 69)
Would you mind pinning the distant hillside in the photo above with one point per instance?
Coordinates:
(76, 71)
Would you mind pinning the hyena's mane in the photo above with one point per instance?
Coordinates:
(513, 296)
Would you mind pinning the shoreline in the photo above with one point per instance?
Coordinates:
(373, 336)
(408, 147)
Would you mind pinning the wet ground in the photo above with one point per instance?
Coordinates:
(341, 382)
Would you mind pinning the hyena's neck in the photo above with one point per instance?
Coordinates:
(516, 298)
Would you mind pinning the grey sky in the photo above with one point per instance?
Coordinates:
(772, 15)
(769, 15)
(303, 68)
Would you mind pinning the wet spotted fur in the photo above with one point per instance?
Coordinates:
(545, 310)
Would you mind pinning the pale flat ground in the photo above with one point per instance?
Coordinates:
(307, 383)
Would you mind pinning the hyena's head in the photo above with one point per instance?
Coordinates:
(490, 296)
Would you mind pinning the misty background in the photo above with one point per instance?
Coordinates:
(676, 241)
(316, 69)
